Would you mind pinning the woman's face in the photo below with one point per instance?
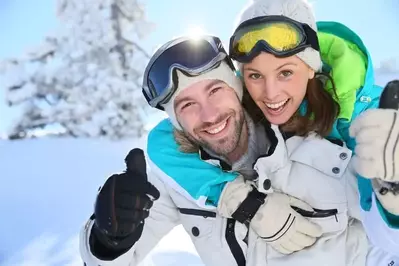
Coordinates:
(277, 85)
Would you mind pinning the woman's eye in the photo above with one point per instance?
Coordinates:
(286, 73)
(254, 76)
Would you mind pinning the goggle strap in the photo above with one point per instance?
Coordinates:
(311, 35)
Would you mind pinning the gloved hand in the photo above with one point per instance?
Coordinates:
(377, 151)
(388, 200)
(275, 221)
(123, 203)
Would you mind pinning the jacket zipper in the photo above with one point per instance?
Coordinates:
(316, 213)
(197, 212)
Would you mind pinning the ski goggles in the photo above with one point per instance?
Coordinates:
(191, 56)
(278, 35)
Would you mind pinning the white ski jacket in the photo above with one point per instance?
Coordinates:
(312, 169)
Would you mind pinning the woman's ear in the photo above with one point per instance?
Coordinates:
(311, 73)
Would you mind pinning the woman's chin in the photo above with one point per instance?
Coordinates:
(278, 119)
(277, 122)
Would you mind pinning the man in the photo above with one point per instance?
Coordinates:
(203, 100)
(207, 102)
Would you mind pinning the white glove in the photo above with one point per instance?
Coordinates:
(389, 201)
(275, 221)
(377, 149)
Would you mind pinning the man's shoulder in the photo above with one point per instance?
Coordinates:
(163, 127)
(161, 136)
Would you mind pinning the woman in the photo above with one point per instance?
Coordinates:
(284, 87)
(284, 75)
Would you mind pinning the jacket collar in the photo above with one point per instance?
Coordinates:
(225, 166)
(205, 156)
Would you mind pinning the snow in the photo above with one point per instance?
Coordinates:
(48, 190)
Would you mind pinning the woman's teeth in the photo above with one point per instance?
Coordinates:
(276, 105)
(217, 129)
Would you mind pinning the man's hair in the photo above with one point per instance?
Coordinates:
(185, 144)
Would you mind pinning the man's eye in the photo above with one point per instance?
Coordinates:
(186, 105)
(215, 90)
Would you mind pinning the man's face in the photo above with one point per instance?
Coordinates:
(211, 115)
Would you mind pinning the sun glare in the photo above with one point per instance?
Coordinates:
(195, 31)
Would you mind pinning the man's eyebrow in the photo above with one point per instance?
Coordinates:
(208, 87)
(179, 101)
(213, 83)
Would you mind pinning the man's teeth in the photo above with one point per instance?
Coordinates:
(276, 105)
(218, 129)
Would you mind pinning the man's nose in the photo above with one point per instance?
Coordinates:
(209, 112)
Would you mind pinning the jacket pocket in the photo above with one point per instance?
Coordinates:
(318, 175)
(211, 232)
(198, 223)
(329, 158)
(197, 212)
(316, 213)
(330, 220)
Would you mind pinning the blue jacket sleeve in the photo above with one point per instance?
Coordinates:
(364, 102)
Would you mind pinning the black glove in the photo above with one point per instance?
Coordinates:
(122, 205)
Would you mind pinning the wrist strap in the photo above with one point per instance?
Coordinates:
(248, 208)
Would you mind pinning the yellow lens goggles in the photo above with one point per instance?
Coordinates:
(278, 35)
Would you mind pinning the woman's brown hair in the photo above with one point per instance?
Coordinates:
(321, 113)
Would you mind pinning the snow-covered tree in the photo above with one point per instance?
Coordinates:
(389, 65)
(85, 79)
(387, 71)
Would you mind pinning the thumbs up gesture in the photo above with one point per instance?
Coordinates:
(123, 204)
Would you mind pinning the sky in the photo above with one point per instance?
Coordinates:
(25, 23)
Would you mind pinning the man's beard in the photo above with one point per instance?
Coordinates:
(222, 147)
